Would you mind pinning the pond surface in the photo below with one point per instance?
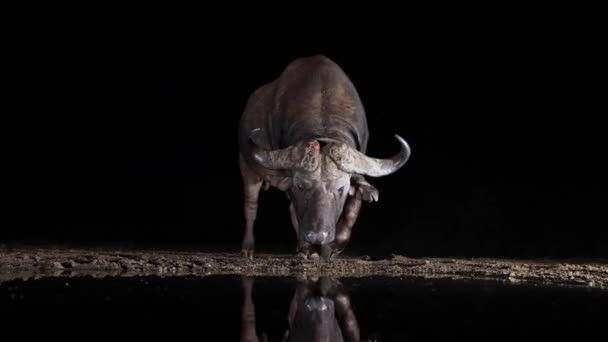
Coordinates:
(237, 308)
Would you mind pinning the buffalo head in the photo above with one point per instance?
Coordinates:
(315, 311)
(319, 175)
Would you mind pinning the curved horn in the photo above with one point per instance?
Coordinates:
(353, 161)
(294, 156)
(270, 159)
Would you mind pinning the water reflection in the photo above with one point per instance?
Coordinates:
(265, 309)
(320, 310)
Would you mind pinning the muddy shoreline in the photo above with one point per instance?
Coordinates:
(33, 263)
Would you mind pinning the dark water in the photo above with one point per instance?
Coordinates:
(224, 308)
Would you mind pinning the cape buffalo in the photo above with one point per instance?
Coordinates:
(306, 134)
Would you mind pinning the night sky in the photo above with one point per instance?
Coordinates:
(127, 133)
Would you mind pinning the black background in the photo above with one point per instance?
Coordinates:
(125, 130)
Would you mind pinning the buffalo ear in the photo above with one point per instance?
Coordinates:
(361, 189)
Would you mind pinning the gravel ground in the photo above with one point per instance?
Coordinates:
(33, 263)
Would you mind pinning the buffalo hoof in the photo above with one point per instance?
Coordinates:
(325, 253)
(334, 249)
(303, 255)
(304, 251)
(306, 255)
(335, 253)
(247, 253)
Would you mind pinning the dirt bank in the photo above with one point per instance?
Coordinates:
(27, 263)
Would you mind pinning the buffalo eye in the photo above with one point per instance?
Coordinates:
(341, 190)
(300, 186)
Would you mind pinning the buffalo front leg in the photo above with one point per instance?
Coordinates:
(248, 329)
(251, 188)
(294, 219)
(346, 316)
(345, 225)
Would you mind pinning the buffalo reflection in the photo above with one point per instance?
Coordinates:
(320, 310)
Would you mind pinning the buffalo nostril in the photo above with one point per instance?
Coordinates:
(323, 236)
(311, 237)
(316, 238)
(316, 304)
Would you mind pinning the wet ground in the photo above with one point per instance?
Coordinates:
(80, 294)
